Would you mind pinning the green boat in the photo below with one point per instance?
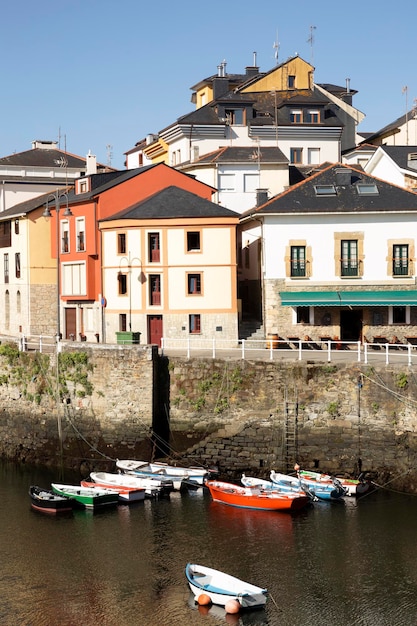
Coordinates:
(85, 496)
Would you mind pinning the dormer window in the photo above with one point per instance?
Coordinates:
(83, 185)
(235, 117)
(296, 116)
(312, 116)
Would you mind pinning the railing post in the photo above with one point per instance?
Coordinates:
(300, 344)
(188, 348)
(359, 351)
(365, 353)
(214, 348)
(40, 343)
(409, 354)
(271, 354)
(243, 348)
(387, 354)
(329, 351)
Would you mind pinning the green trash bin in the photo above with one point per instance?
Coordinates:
(127, 337)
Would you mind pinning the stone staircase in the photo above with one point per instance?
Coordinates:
(251, 329)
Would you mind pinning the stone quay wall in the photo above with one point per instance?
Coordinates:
(240, 416)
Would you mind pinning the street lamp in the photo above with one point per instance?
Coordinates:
(47, 214)
(129, 260)
(56, 197)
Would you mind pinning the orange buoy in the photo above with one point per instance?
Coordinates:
(203, 599)
(232, 606)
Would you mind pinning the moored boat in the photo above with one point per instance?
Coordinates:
(268, 485)
(353, 486)
(328, 491)
(181, 476)
(255, 498)
(222, 588)
(152, 486)
(125, 496)
(85, 496)
(47, 501)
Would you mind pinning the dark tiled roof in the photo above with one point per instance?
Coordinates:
(392, 126)
(337, 90)
(38, 157)
(171, 203)
(302, 197)
(243, 154)
(107, 180)
(399, 154)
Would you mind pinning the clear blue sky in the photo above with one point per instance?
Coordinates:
(99, 72)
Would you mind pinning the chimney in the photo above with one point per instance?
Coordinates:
(44, 145)
(343, 176)
(220, 87)
(261, 196)
(91, 164)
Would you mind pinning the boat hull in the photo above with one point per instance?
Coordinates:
(181, 477)
(126, 496)
(46, 501)
(222, 588)
(152, 486)
(85, 497)
(251, 498)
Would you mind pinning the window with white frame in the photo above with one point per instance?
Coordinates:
(250, 182)
(313, 156)
(65, 243)
(74, 279)
(227, 182)
(80, 226)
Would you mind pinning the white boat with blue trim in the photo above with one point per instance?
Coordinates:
(222, 588)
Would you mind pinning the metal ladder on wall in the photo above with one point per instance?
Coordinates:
(290, 433)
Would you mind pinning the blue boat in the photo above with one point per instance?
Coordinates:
(329, 490)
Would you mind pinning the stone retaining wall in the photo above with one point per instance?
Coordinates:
(228, 413)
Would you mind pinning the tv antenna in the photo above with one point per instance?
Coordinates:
(109, 149)
(276, 48)
(310, 40)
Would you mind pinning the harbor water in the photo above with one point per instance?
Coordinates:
(351, 563)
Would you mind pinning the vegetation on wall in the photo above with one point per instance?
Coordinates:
(32, 374)
(214, 391)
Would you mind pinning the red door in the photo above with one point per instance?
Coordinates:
(155, 329)
(70, 323)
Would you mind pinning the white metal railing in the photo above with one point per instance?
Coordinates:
(324, 350)
(330, 351)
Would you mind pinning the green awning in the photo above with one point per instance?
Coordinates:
(348, 298)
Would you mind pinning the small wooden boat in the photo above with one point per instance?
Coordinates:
(125, 496)
(268, 485)
(47, 501)
(180, 476)
(152, 486)
(252, 498)
(86, 497)
(222, 588)
(317, 490)
(353, 487)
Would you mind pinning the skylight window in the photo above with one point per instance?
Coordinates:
(325, 190)
(367, 189)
